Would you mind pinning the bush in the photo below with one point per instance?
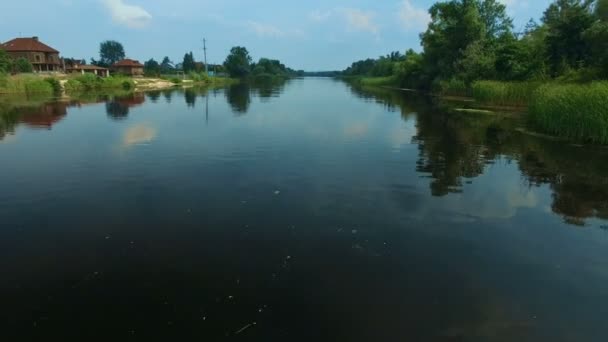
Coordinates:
(198, 77)
(73, 86)
(23, 65)
(175, 80)
(504, 93)
(54, 84)
(577, 112)
(90, 82)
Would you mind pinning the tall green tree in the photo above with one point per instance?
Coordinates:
(566, 21)
(495, 18)
(110, 52)
(189, 64)
(166, 65)
(6, 63)
(238, 62)
(454, 26)
(152, 68)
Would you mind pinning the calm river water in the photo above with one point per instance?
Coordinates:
(304, 211)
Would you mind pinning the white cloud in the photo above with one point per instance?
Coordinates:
(360, 20)
(128, 15)
(265, 30)
(318, 15)
(413, 18)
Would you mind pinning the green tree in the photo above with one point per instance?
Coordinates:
(597, 38)
(110, 52)
(6, 63)
(494, 16)
(188, 64)
(238, 62)
(454, 26)
(23, 65)
(566, 21)
(601, 9)
(166, 66)
(152, 68)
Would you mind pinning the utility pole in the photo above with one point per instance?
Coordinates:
(205, 52)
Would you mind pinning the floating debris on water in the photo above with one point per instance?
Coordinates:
(244, 328)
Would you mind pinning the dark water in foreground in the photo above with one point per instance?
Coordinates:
(309, 211)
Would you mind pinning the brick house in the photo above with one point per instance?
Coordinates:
(128, 67)
(42, 56)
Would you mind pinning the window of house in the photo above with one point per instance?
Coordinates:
(37, 58)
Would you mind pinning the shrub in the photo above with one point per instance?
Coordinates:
(175, 80)
(73, 85)
(23, 65)
(54, 84)
(574, 111)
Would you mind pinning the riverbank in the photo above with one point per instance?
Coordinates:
(32, 84)
(574, 111)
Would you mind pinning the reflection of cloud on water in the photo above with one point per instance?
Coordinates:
(494, 196)
(9, 138)
(401, 135)
(139, 134)
(357, 129)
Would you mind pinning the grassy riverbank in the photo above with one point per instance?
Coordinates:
(389, 81)
(28, 84)
(574, 111)
(31, 84)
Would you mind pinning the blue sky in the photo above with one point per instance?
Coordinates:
(310, 35)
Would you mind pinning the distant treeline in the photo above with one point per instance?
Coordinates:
(470, 40)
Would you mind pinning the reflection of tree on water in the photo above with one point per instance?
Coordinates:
(239, 98)
(168, 93)
(154, 95)
(190, 96)
(8, 121)
(455, 147)
(577, 176)
(239, 95)
(118, 107)
(266, 89)
(451, 149)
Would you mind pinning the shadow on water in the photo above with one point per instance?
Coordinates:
(455, 148)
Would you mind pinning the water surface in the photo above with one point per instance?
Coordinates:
(303, 211)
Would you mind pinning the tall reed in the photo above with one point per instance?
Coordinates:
(574, 111)
(504, 93)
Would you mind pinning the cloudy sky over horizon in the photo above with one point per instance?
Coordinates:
(311, 35)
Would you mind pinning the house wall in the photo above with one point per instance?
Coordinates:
(41, 61)
(132, 71)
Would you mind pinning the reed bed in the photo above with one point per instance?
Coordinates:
(575, 111)
(504, 93)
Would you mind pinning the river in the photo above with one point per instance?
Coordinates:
(310, 210)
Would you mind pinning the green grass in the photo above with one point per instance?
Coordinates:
(27, 84)
(452, 87)
(574, 111)
(389, 81)
(90, 82)
(504, 93)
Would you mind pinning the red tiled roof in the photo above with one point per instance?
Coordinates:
(26, 44)
(128, 63)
